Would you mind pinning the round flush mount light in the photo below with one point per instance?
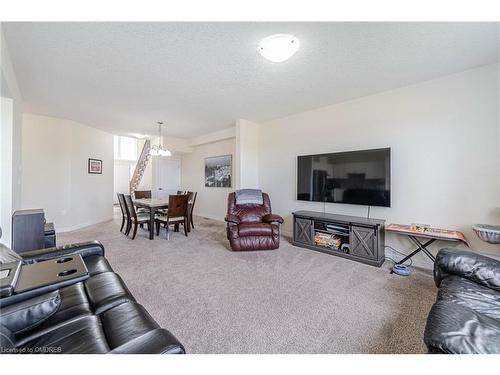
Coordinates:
(279, 47)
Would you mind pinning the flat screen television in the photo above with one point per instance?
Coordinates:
(355, 177)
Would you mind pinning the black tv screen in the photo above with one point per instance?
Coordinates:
(356, 177)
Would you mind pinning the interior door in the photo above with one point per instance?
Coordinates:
(168, 177)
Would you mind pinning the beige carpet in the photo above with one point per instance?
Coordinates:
(290, 300)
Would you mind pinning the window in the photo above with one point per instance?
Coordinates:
(125, 148)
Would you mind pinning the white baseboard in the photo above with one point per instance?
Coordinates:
(208, 216)
(82, 225)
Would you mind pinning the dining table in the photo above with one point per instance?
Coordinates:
(153, 205)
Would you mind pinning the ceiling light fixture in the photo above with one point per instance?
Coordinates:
(159, 150)
(279, 47)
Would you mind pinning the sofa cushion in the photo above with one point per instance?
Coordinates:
(30, 313)
(97, 264)
(126, 322)
(106, 290)
(254, 229)
(74, 304)
(469, 265)
(7, 340)
(466, 293)
(83, 335)
(452, 328)
(158, 341)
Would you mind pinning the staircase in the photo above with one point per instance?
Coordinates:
(140, 167)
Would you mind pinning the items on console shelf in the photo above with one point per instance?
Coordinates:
(328, 240)
(345, 248)
(420, 227)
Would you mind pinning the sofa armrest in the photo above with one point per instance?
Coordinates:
(85, 249)
(474, 267)
(157, 341)
(28, 314)
(271, 218)
(232, 219)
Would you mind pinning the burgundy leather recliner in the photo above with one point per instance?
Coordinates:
(252, 226)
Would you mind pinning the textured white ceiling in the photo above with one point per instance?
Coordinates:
(200, 77)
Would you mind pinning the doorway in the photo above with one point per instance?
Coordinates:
(167, 177)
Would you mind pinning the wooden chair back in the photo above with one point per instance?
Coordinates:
(178, 205)
(142, 194)
(192, 200)
(130, 206)
(123, 207)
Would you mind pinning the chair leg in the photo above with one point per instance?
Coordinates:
(147, 225)
(157, 228)
(141, 225)
(186, 226)
(123, 223)
(167, 234)
(176, 227)
(129, 226)
(191, 220)
(135, 230)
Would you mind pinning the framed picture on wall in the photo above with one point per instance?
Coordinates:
(218, 171)
(95, 166)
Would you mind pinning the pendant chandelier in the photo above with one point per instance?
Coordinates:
(159, 150)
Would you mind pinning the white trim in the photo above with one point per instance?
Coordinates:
(207, 216)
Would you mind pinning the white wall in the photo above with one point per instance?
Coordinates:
(444, 136)
(247, 155)
(210, 202)
(10, 135)
(6, 112)
(55, 178)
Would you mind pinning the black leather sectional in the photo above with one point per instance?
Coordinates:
(98, 315)
(466, 316)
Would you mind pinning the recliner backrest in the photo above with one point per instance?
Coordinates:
(249, 213)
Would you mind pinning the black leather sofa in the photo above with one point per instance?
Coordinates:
(98, 315)
(466, 316)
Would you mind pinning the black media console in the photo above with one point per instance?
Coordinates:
(357, 238)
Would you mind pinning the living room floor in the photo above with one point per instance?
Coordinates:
(290, 300)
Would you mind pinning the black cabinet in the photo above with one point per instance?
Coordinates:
(30, 232)
(357, 238)
(303, 229)
(363, 242)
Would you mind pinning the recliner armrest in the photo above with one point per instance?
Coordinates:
(474, 267)
(158, 341)
(85, 249)
(271, 218)
(232, 219)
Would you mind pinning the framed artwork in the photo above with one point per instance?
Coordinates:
(218, 171)
(95, 166)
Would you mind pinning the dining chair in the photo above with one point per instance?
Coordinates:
(125, 214)
(192, 200)
(135, 217)
(177, 214)
(142, 194)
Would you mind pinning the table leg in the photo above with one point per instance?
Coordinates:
(423, 247)
(152, 223)
(419, 248)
